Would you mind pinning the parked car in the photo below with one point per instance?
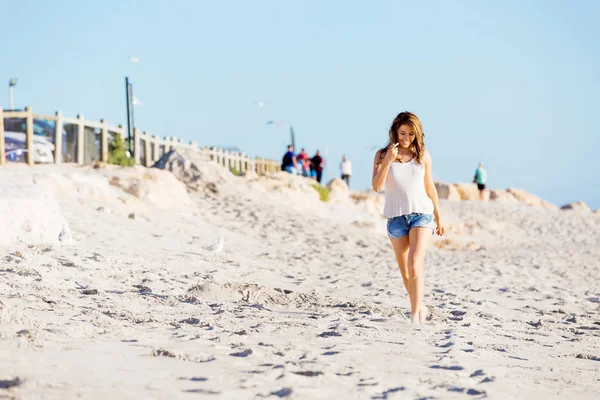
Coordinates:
(15, 148)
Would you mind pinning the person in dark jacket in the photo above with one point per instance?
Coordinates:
(317, 165)
(288, 163)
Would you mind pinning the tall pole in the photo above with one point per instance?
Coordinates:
(293, 138)
(130, 122)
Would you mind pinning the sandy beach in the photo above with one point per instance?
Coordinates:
(113, 284)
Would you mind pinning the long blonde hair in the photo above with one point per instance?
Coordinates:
(418, 145)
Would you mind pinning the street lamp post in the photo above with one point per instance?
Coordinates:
(130, 122)
(293, 138)
(11, 84)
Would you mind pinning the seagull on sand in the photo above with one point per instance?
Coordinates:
(217, 247)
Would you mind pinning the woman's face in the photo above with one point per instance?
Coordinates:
(405, 136)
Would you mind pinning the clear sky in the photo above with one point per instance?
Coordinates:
(515, 84)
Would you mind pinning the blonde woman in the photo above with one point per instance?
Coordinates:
(403, 169)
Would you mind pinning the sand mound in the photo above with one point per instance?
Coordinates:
(262, 295)
(153, 186)
(502, 196)
(469, 191)
(29, 214)
(530, 199)
(81, 186)
(296, 188)
(255, 294)
(577, 206)
(447, 191)
(198, 175)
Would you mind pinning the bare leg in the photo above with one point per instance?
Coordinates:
(401, 246)
(418, 237)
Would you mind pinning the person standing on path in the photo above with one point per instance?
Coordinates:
(403, 169)
(288, 163)
(480, 179)
(303, 157)
(317, 164)
(346, 170)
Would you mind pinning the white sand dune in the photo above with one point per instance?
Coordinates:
(304, 300)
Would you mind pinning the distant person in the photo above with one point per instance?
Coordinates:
(317, 164)
(346, 169)
(289, 164)
(303, 158)
(480, 179)
(403, 169)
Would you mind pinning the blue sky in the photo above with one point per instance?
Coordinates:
(515, 84)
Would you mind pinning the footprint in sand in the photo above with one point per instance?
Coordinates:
(308, 373)
(329, 334)
(285, 392)
(244, 353)
(194, 379)
(384, 395)
(10, 383)
(201, 391)
(447, 368)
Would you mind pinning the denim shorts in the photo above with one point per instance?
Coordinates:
(399, 226)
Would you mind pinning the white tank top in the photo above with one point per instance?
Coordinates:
(405, 190)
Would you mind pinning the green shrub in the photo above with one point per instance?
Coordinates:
(118, 155)
(235, 171)
(322, 190)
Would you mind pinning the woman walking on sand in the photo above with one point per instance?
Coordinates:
(403, 169)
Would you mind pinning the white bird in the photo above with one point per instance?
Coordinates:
(65, 235)
(217, 247)
(134, 60)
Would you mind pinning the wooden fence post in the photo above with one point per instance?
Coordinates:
(148, 150)
(29, 136)
(80, 139)
(2, 149)
(136, 145)
(155, 149)
(226, 159)
(58, 129)
(104, 141)
(243, 163)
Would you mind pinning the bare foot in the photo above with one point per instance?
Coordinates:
(415, 318)
(423, 314)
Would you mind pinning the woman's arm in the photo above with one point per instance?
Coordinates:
(432, 193)
(380, 169)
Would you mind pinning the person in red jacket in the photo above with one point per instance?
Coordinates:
(303, 158)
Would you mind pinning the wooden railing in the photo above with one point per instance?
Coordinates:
(148, 148)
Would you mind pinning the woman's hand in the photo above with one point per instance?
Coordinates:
(439, 229)
(392, 153)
